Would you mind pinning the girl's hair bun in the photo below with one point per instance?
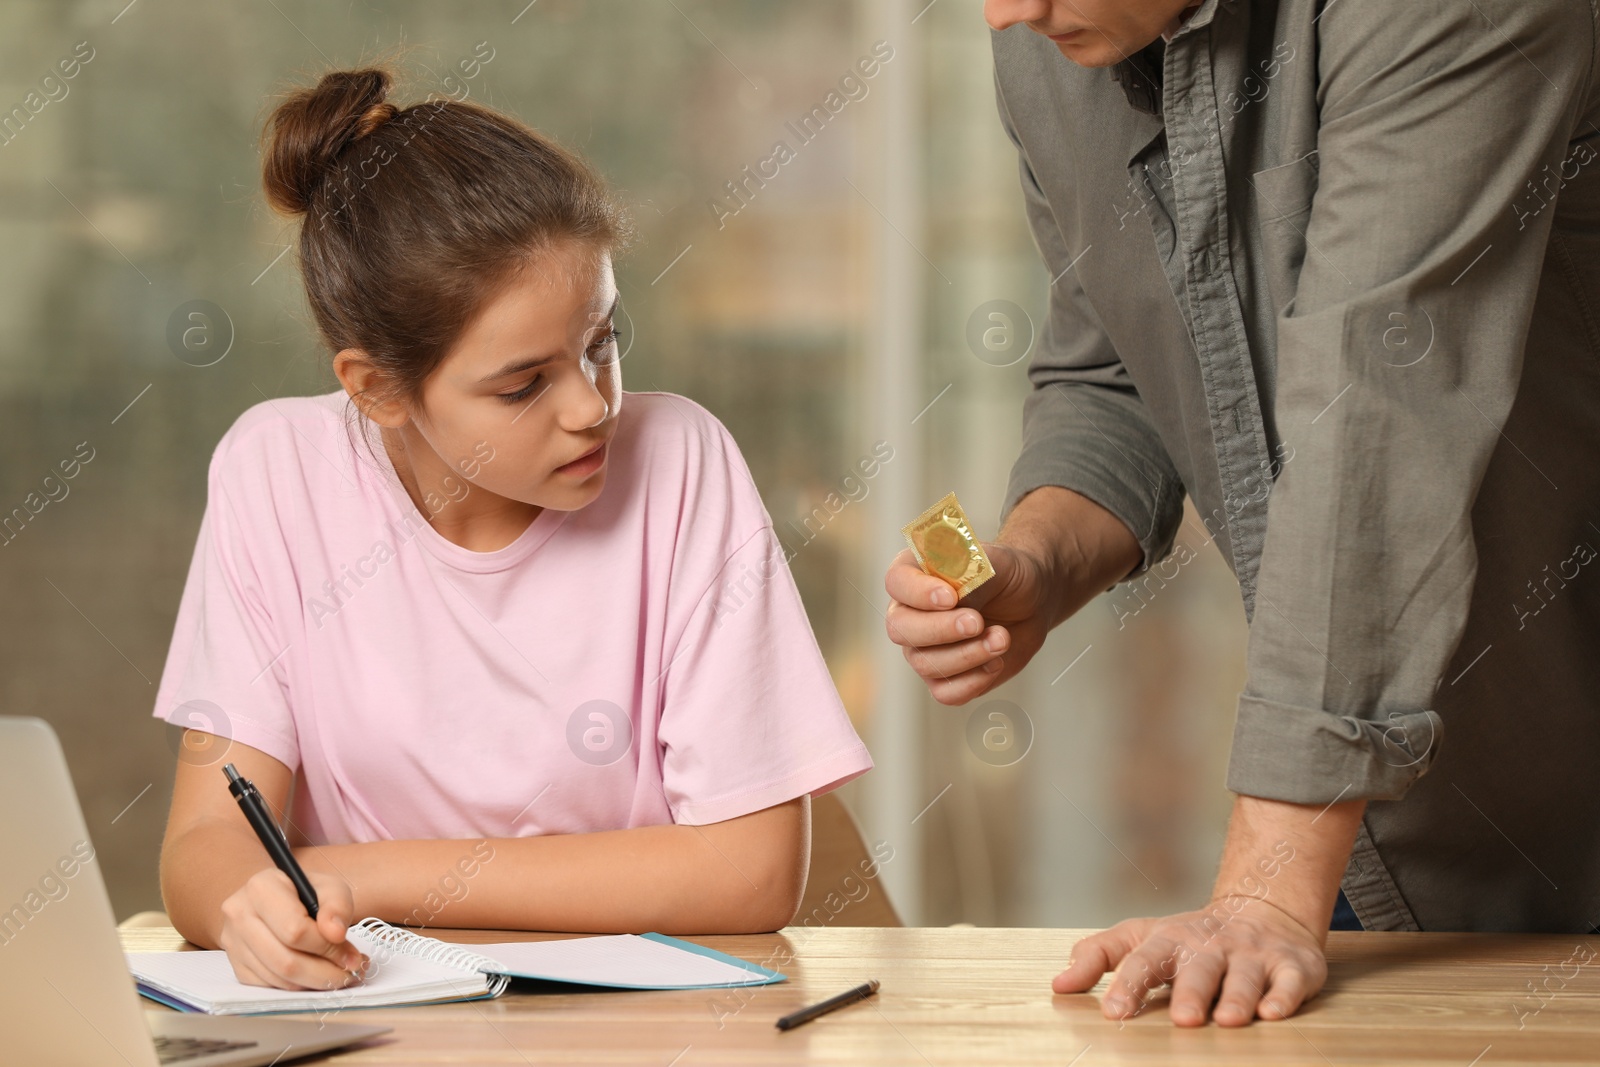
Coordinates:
(311, 127)
(411, 219)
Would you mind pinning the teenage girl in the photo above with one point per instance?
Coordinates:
(531, 656)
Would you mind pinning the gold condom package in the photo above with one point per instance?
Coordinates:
(942, 540)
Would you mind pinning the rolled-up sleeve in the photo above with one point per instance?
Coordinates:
(1398, 362)
(1084, 425)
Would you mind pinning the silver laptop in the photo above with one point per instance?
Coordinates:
(65, 989)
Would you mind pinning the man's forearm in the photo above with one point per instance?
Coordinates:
(1291, 855)
(1079, 545)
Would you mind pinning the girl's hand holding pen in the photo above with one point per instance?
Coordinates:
(271, 941)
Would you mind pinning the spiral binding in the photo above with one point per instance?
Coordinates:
(432, 949)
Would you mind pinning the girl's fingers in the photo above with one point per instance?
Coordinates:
(246, 967)
(245, 955)
(279, 909)
(335, 913)
(289, 968)
(334, 900)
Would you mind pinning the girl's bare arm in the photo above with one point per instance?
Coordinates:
(737, 876)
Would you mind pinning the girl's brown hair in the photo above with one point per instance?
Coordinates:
(415, 217)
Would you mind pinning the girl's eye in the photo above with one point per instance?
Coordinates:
(598, 347)
(523, 393)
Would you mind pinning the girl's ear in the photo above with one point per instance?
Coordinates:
(364, 384)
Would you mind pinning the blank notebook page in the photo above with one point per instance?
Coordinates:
(206, 981)
(624, 961)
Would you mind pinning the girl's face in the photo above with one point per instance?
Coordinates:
(526, 402)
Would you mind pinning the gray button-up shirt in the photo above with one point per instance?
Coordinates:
(1333, 270)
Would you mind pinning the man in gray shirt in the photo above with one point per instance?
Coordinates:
(1331, 268)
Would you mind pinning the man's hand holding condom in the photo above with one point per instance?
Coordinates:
(1058, 550)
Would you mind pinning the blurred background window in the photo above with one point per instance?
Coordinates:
(836, 265)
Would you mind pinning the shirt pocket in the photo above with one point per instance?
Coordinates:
(1283, 197)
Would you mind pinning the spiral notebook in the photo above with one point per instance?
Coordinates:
(409, 968)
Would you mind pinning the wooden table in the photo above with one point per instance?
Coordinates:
(982, 996)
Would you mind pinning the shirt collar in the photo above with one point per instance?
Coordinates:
(1194, 16)
(1140, 77)
(1140, 74)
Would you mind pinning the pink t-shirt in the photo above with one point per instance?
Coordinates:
(643, 660)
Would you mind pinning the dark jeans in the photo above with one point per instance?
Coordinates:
(1344, 918)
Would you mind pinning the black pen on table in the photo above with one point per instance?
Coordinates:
(272, 839)
(805, 1015)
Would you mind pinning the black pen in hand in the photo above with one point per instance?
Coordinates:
(272, 839)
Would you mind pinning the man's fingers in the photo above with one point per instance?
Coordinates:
(1260, 967)
(909, 584)
(919, 629)
(944, 661)
(1241, 991)
(960, 688)
(1148, 967)
(1090, 961)
(1195, 986)
(1094, 956)
(1288, 990)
